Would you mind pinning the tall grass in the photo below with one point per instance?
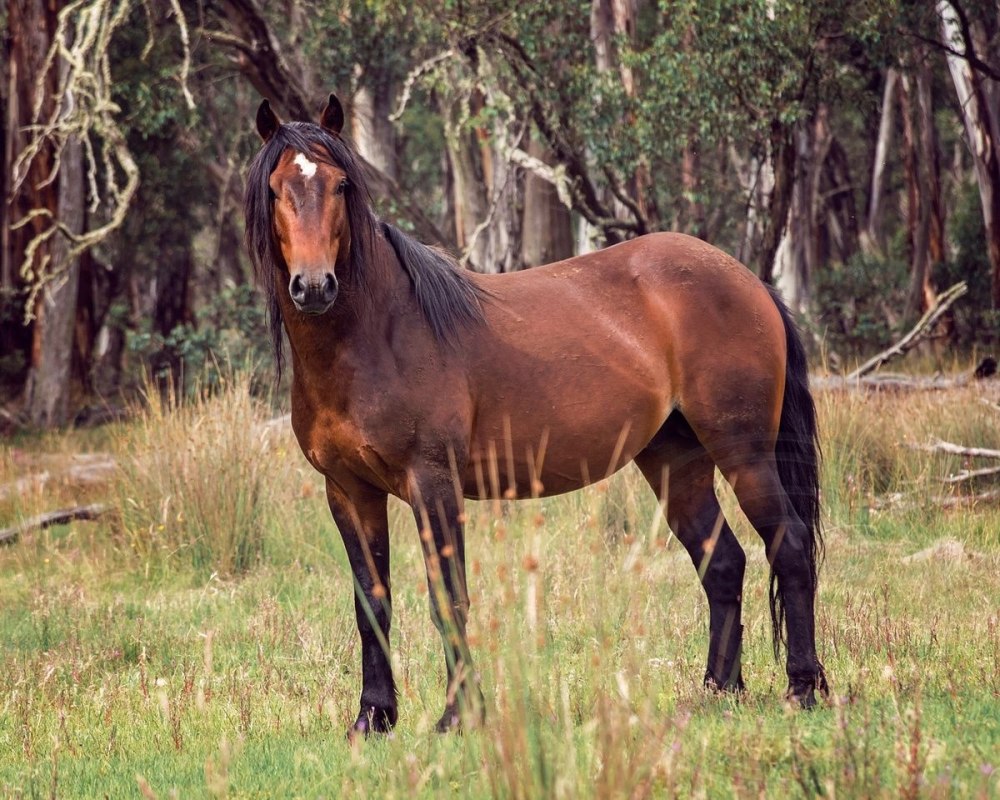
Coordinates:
(195, 483)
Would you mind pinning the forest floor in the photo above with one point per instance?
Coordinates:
(147, 654)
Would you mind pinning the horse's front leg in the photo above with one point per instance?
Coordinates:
(438, 513)
(360, 513)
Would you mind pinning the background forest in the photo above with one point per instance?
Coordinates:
(848, 151)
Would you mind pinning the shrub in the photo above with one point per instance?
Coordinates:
(974, 321)
(855, 300)
(194, 487)
(229, 328)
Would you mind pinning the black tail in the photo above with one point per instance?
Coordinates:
(797, 453)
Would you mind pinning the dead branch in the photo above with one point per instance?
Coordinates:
(940, 446)
(918, 333)
(971, 474)
(890, 382)
(10, 535)
(555, 175)
(414, 74)
(901, 502)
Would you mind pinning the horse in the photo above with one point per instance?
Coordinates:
(416, 378)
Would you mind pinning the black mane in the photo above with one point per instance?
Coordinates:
(447, 297)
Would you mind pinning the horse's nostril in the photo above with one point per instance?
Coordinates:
(297, 288)
(329, 286)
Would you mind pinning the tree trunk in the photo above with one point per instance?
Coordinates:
(782, 142)
(756, 179)
(842, 231)
(874, 231)
(611, 20)
(691, 215)
(797, 258)
(8, 128)
(931, 160)
(371, 129)
(917, 204)
(31, 25)
(547, 228)
(980, 127)
(48, 388)
(487, 192)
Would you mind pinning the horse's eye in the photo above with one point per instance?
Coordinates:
(341, 187)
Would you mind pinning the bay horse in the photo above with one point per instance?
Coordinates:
(416, 378)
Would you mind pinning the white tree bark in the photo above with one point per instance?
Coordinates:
(980, 128)
(874, 235)
(371, 130)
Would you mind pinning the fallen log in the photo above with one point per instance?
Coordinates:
(963, 500)
(971, 474)
(893, 382)
(918, 333)
(955, 449)
(901, 502)
(41, 521)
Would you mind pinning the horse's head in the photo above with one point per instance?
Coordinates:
(308, 196)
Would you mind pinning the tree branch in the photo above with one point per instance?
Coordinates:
(940, 446)
(918, 333)
(975, 62)
(10, 535)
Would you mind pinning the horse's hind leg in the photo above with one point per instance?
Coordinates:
(756, 482)
(682, 473)
(745, 454)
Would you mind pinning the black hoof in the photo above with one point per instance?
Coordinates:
(458, 717)
(803, 690)
(451, 720)
(372, 721)
(733, 685)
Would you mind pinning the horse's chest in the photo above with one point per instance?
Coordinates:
(336, 445)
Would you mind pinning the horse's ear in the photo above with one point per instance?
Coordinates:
(332, 117)
(267, 122)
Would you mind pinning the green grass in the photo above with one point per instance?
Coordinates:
(128, 671)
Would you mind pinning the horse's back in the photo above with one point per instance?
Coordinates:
(586, 358)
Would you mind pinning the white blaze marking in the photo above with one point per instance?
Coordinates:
(306, 167)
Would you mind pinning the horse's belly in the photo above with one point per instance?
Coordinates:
(538, 452)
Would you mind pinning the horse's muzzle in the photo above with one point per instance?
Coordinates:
(313, 296)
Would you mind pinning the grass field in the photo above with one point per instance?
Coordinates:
(200, 642)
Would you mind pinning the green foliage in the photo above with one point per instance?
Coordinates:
(229, 329)
(974, 321)
(854, 302)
